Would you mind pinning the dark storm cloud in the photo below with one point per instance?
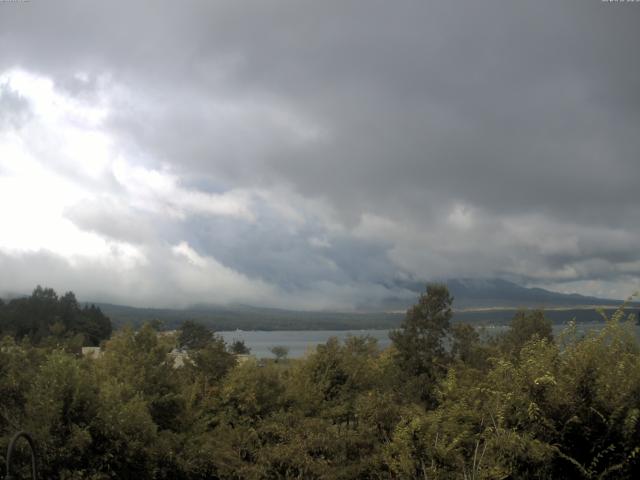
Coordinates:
(293, 259)
(517, 108)
(527, 113)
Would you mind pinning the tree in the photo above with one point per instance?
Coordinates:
(524, 326)
(238, 347)
(419, 341)
(251, 392)
(156, 324)
(467, 347)
(44, 314)
(212, 361)
(59, 407)
(194, 336)
(280, 352)
(94, 324)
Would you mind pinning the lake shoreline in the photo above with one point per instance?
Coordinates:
(299, 342)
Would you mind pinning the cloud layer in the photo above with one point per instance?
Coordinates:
(317, 154)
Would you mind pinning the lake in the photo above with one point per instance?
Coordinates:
(300, 342)
(297, 341)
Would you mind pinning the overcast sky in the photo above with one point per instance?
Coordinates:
(317, 154)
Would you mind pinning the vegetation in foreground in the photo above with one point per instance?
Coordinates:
(440, 403)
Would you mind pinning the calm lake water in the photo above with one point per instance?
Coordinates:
(300, 342)
(297, 341)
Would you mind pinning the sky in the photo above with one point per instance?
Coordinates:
(317, 155)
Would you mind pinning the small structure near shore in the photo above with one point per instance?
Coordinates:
(243, 357)
(92, 352)
(179, 357)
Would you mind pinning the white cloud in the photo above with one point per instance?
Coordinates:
(185, 251)
(74, 200)
(63, 158)
(159, 191)
(461, 217)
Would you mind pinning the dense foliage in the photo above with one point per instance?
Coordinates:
(441, 403)
(46, 317)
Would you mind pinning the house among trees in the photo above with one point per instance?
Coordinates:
(92, 352)
(179, 357)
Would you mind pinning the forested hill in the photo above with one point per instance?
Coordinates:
(251, 318)
(244, 317)
(485, 301)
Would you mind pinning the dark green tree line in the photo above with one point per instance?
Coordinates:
(44, 315)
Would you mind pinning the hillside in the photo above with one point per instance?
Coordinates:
(485, 301)
(483, 293)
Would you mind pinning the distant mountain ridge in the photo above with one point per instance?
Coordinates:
(486, 293)
(482, 293)
(475, 300)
